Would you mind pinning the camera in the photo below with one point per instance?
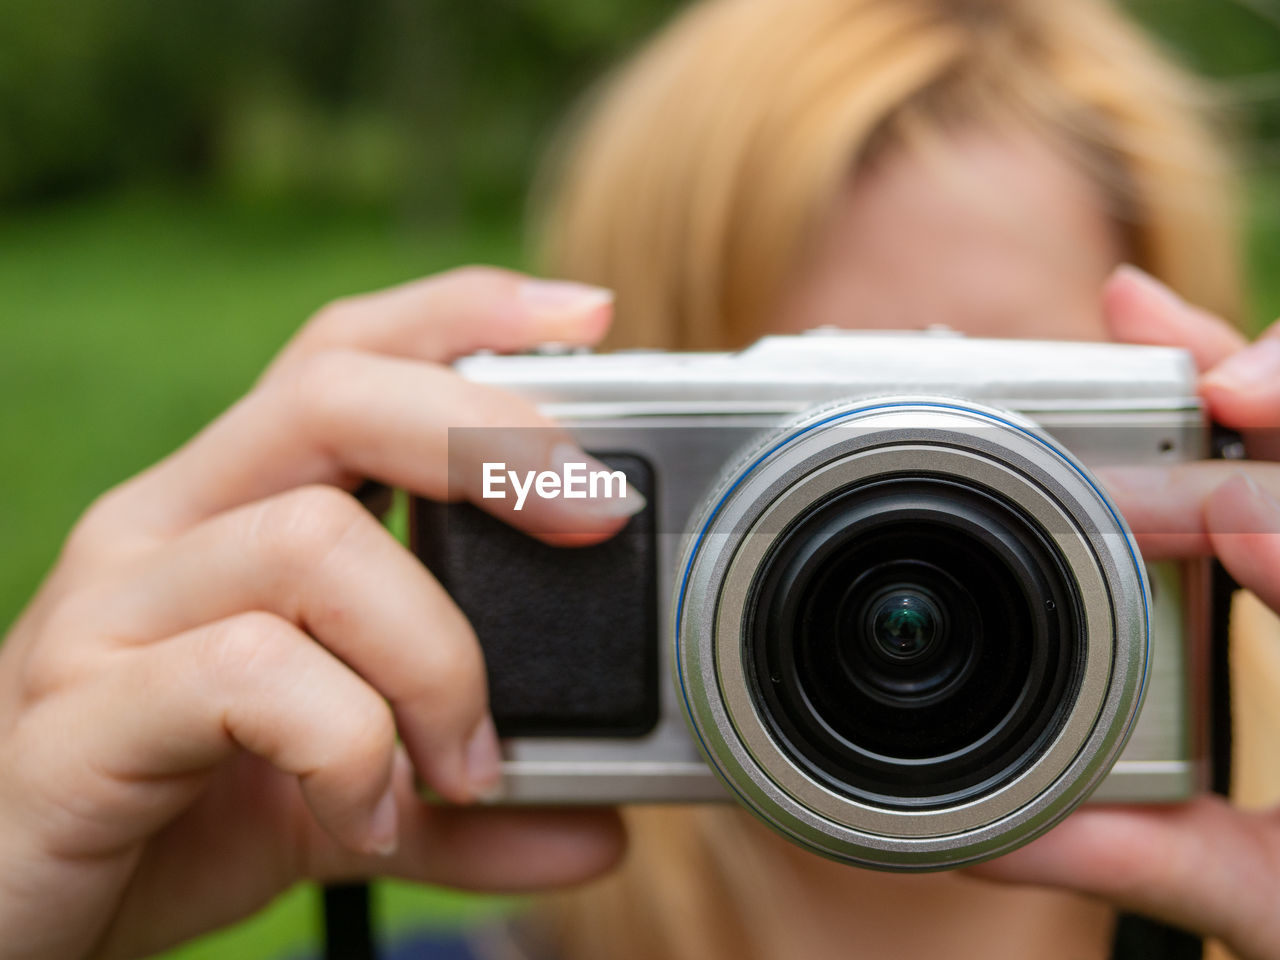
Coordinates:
(877, 595)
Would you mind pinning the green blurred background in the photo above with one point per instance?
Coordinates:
(182, 183)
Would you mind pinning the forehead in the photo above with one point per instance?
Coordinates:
(992, 234)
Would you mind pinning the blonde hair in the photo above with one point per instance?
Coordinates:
(698, 171)
(691, 184)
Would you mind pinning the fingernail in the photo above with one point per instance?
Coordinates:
(1253, 367)
(562, 296)
(384, 826)
(1149, 284)
(484, 761)
(605, 491)
(626, 506)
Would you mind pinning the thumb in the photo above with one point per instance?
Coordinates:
(1202, 865)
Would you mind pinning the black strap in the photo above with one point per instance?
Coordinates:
(348, 926)
(1220, 727)
(348, 930)
(1138, 938)
(1224, 445)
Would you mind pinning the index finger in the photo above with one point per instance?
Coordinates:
(357, 349)
(1243, 392)
(1240, 382)
(341, 417)
(443, 317)
(1140, 309)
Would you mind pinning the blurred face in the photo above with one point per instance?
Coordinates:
(994, 235)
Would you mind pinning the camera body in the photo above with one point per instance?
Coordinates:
(876, 595)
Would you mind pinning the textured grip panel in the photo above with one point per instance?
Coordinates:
(569, 634)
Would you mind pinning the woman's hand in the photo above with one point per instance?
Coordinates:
(201, 705)
(1201, 865)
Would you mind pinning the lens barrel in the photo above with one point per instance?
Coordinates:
(910, 633)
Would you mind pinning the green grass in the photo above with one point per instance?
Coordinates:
(290, 926)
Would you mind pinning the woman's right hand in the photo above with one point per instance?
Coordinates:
(201, 705)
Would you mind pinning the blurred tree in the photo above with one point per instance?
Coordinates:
(92, 93)
(1236, 42)
(433, 107)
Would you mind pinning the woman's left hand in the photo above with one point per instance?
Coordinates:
(1202, 865)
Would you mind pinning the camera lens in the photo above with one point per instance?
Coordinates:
(904, 624)
(910, 632)
(914, 640)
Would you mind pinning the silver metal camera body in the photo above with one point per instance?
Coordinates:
(780, 479)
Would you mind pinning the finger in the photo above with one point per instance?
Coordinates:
(500, 850)
(175, 710)
(1201, 866)
(1165, 507)
(494, 849)
(1243, 521)
(315, 557)
(1139, 309)
(434, 320)
(341, 416)
(1243, 392)
(1240, 382)
(452, 314)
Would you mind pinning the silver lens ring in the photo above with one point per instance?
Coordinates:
(836, 448)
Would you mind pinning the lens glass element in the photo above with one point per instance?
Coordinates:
(914, 641)
(904, 624)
